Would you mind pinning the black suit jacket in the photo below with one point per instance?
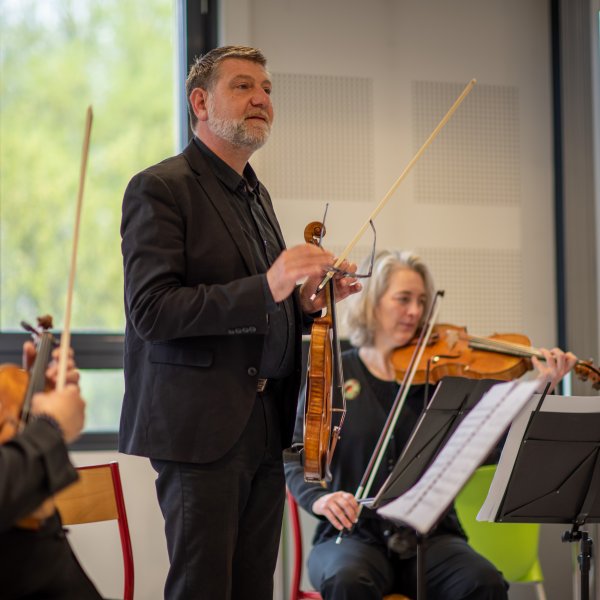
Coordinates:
(196, 316)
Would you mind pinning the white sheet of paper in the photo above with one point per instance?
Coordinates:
(572, 404)
(422, 505)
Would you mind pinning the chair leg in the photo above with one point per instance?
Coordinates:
(540, 591)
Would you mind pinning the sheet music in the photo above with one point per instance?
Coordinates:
(562, 404)
(422, 505)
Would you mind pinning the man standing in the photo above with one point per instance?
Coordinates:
(212, 342)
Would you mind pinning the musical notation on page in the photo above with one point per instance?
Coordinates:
(475, 437)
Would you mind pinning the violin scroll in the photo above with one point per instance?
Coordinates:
(314, 232)
(587, 371)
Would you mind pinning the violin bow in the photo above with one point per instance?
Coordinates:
(364, 487)
(395, 185)
(65, 338)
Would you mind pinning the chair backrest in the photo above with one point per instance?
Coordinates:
(511, 547)
(98, 496)
(294, 519)
(295, 592)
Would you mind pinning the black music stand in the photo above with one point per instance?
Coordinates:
(453, 399)
(555, 478)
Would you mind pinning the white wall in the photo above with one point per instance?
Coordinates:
(395, 46)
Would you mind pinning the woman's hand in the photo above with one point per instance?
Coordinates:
(67, 407)
(72, 376)
(556, 365)
(340, 508)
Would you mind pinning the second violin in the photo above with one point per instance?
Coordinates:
(453, 352)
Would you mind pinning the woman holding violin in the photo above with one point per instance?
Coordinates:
(35, 557)
(375, 558)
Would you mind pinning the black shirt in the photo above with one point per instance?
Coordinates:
(245, 194)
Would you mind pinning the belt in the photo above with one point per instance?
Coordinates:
(261, 385)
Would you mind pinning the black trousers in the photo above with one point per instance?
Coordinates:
(355, 570)
(223, 519)
(40, 565)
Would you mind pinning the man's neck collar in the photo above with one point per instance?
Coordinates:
(237, 158)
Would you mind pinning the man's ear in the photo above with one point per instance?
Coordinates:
(198, 98)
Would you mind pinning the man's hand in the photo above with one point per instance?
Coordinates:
(344, 286)
(296, 263)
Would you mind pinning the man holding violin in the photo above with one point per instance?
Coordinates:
(35, 557)
(214, 319)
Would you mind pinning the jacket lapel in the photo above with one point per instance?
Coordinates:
(209, 183)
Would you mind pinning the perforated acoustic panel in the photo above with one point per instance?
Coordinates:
(475, 159)
(321, 146)
(483, 287)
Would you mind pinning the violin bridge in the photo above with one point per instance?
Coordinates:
(452, 338)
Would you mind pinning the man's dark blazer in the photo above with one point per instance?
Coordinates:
(196, 316)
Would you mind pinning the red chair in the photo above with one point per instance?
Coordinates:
(98, 496)
(295, 592)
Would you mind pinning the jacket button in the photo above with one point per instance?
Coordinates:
(252, 371)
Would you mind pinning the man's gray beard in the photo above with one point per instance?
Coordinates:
(237, 132)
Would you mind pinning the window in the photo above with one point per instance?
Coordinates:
(56, 58)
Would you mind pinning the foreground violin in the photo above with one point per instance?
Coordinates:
(324, 376)
(451, 351)
(17, 386)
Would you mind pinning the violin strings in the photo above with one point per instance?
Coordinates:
(512, 347)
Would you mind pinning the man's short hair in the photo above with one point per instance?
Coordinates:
(204, 72)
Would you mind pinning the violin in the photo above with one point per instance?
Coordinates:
(451, 351)
(17, 388)
(324, 366)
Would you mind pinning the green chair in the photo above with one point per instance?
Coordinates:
(511, 547)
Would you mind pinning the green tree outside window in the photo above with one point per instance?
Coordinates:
(57, 57)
